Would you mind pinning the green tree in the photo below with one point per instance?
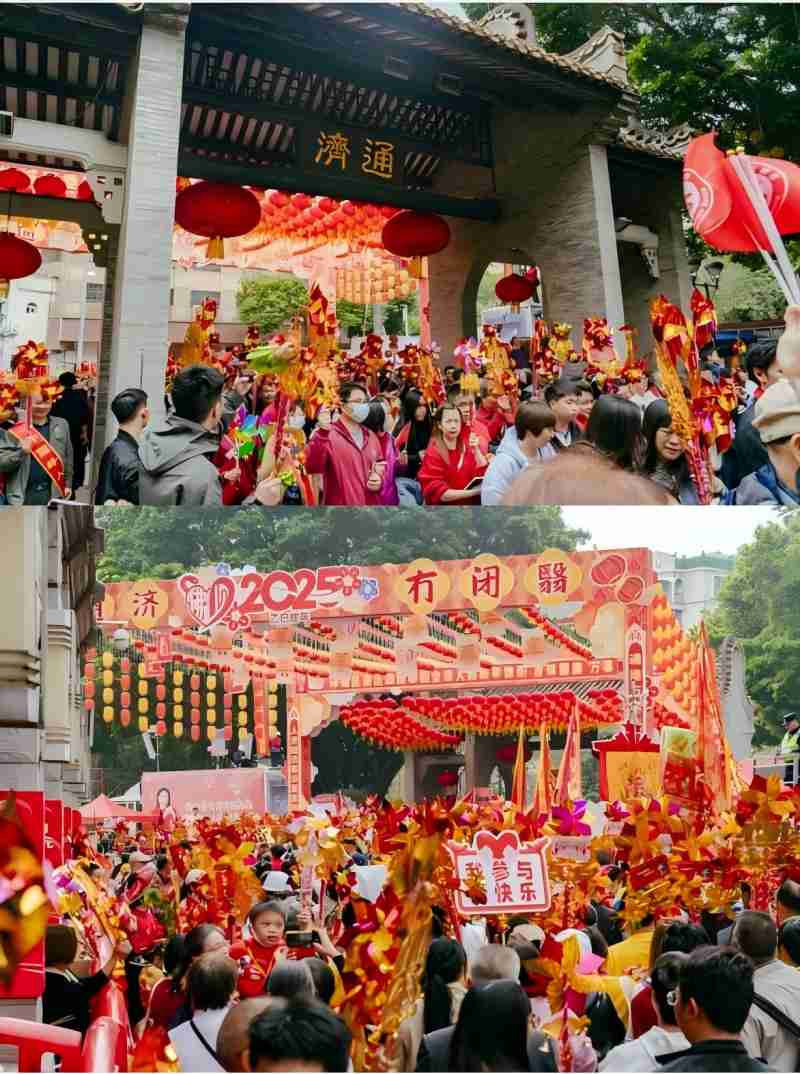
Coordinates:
(270, 302)
(393, 321)
(745, 295)
(149, 543)
(354, 318)
(486, 296)
(760, 604)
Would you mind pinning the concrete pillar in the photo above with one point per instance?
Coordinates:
(141, 292)
(607, 241)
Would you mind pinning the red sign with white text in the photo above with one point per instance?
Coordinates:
(212, 793)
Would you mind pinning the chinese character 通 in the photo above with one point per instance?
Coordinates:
(378, 159)
(145, 604)
(333, 149)
(416, 583)
(486, 580)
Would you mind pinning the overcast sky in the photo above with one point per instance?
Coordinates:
(685, 531)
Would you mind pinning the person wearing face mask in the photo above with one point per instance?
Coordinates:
(347, 455)
(176, 454)
(118, 480)
(664, 455)
(27, 481)
(377, 420)
(777, 420)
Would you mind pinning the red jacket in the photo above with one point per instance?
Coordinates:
(495, 421)
(253, 977)
(437, 475)
(482, 433)
(344, 465)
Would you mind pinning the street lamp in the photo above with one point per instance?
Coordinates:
(120, 640)
(712, 270)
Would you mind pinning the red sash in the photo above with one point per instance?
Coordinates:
(43, 452)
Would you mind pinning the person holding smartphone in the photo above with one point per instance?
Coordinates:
(347, 455)
(452, 470)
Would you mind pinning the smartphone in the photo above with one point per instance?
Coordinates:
(475, 483)
(301, 939)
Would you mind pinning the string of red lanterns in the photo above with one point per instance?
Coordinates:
(536, 618)
(387, 724)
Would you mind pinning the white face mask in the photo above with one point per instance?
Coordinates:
(358, 412)
(297, 421)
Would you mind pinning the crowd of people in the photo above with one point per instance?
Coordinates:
(210, 986)
(576, 439)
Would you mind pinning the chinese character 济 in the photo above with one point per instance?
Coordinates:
(416, 583)
(333, 149)
(486, 580)
(378, 159)
(145, 604)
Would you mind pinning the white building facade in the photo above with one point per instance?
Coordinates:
(692, 590)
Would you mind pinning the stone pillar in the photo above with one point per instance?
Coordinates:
(141, 292)
(607, 241)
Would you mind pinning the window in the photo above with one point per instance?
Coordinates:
(198, 297)
(94, 292)
(678, 591)
(717, 584)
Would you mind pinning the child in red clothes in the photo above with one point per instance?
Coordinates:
(264, 947)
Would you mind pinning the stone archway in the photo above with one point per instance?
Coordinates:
(469, 300)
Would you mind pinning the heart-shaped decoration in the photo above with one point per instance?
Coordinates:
(208, 604)
(496, 844)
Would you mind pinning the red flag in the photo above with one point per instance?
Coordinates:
(518, 783)
(543, 799)
(714, 751)
(568, 784)
(779, 182)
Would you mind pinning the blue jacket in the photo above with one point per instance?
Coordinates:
(506, 466)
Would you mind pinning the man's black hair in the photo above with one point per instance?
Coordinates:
(351, 386)
(756, 934)
(684, 937)
(196, 391)
(304, 1030)
(68, 380)
(761, 356)
(665, 978)
(127, 404)
(561, 388)
(324, 978)
(788, 895)
(720, 981)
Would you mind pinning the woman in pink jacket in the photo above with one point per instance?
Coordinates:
(348, 456)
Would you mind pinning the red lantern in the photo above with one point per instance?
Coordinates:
(514, 289)
(50, 186)
(218, 211)
(161, 728)
(17, 257)
(415, 235)
(85, 192)
(448, 778)
(14, 179)
(125, 717)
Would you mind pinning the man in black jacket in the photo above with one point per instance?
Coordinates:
(711, 1004)
(492, 962)
(118, 481)
(747, 453)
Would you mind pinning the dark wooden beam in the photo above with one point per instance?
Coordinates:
(54, 88)
(227, 148)
(55, 28)
(265, 111)
(296, 181)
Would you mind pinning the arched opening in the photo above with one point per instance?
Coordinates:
(482, 305)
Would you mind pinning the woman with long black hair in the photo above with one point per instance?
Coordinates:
(492, 1030)
(444, 988)
(614, 429)
(412, 435)
(664, 454)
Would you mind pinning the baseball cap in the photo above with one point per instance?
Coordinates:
(276, 883)
(526, 940)
(790, 716)
(777, 412)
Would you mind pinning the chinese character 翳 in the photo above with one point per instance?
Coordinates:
(333, 149)
(378, 159)
(559, 578)
(145, 604)
(486, 580)
(416, 583)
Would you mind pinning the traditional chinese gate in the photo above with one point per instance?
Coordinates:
(523, 626)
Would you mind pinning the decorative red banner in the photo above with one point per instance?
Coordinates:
(43, 452)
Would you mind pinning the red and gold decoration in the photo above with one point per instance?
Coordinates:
(514, 289)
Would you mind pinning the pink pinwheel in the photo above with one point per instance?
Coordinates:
(569, 820)
(616, 812)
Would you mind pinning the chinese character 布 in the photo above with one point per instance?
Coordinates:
(333, 149)
(422, 580)
(378, 159)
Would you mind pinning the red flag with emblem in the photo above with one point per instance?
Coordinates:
(568, 784)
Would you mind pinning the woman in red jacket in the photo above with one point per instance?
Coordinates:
(450, 465)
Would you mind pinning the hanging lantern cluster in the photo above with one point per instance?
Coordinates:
(508, 754)
(321, 630)
(415, 235)
(558, 637)
(505, 714)
(513, 290)
(664, 717)
(506, 646)
(386, 724)
(376, 282)
(447, 778)
(674, 655)
(45, 184)
(378, 651)
(461, 623)
(443, 650)
(390, 624)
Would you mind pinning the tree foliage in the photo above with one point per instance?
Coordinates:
(152, 542)
(746, 295)
(354, 317)
(270, 302)
(729, 67)
(760, 604)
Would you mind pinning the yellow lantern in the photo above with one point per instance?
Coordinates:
(108, 697)
(243, 719)
(144, 724)
(144, 687)
(177, 729)
(211, 699)
(177, 712)
(108, 678)
(177, 678)
(212, 734)
(211, 716)
(107, 660)
(177, 695)
(108, 713)
(211, 682)
(144, 706)
(242, 701)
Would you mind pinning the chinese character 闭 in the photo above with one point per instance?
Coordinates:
(378, 159)
(333, 149)
(416, 583)
(486, 580)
